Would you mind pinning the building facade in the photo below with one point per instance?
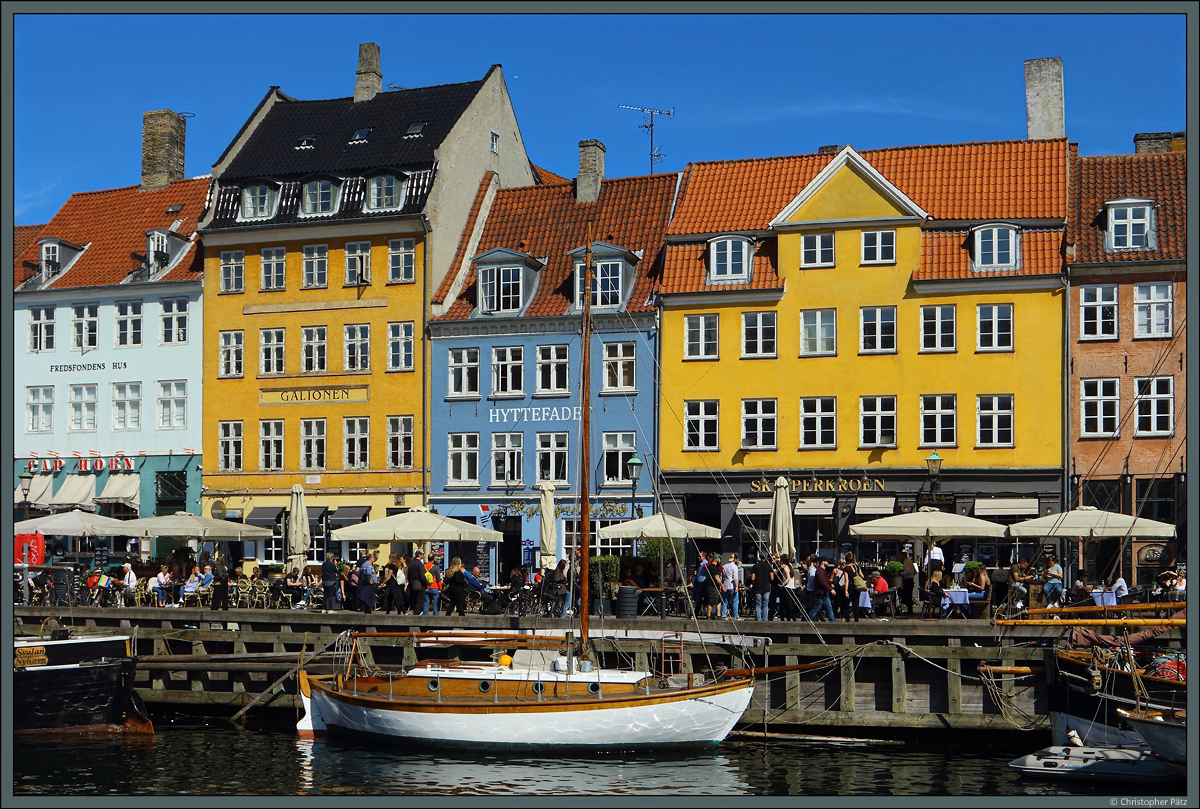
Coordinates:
(332, 222)
(106, 329)
(1128, 342)
(507, 386)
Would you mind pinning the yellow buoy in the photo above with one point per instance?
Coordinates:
(504, 660)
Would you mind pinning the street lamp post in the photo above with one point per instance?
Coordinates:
(934, 464)
(26, 480)
(633, 468)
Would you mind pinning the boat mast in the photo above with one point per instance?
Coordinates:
(585, 439)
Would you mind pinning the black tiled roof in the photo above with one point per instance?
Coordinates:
(271, 150)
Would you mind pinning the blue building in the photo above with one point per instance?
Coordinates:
(505, 346)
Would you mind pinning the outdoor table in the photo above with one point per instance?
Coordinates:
(958, 603)
(1104, 598)
(864, 600)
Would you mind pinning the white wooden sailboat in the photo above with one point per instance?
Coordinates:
(565, 703)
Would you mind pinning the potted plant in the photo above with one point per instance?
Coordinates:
(892, 571)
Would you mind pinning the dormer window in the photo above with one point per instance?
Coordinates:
(997, 247)
(729, 259)
(606, 283)
(384, 192)
(54, 257)
(500, 289)
(1130, 225)
(306, 141)
(258, 201)
(360, 135)
(318, 197)
(50, 259)
(414, 129)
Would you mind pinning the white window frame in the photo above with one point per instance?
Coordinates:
(818, 332)
(700, 336)
(818, 422)
(1154, 406)
(85, 326)
(997, 247)
(462, 459)
(400, 346)
(878, 247)
(729, 259)
(230, 353)
(270, 445)
(494, 142)
(233, 271)
(312, 349)
(41, 329)
(462, 373)
(759, 334)
(356, 347)
(82, 405)
(876, 419)
(39, 409)
(1131, 225)
(128, 331)
(607, 284)
(312, 444)
(508, 459)
(872, 325)
(229, 446)
(938, 328)
(1098, 312)
(1152, 310)
(318, 197)
(939, 420)
(1099, 407)
(272, 351)
(500, 289)
(173, 321)
(126, 406)
(357, 257)
(760, 424)
(315, 266)
(258, 202)
(508, 371)
(553, 370)
(701, 425)
(619, 447)
(272, 267)
(553, 456)
(356, 442)
(989, 333)
(993, 419)
(385, 192)
(172, 404)
(620, 368)
(817, 250)
(399, 442)
(402, 261)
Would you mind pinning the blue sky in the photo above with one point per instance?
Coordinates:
(740, 85)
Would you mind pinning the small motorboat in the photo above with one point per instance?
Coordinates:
(1128, 764)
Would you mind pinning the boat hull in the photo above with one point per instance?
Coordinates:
(1126, 764)
(1166, 736)
(696, 717)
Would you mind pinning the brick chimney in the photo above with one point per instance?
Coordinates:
(591, 171)
(1044, 98)
(1146, 142)
(832, 148)
(162, 148)
(368, 81)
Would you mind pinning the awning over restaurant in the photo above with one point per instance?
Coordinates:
(122, 489)
(1006, 506)
(875, 505)
(77, 491)
(39, 492)
(814, 507)
(754, 505)
(264, 516)
(348, 515)
(315, 515)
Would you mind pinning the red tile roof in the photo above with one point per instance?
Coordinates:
(684, 270)
(23, 237)
(944, 255)
(112, 224)
(1160, 176)
(547, 177)
(546, 222)
(1024, 179)
(464, 241)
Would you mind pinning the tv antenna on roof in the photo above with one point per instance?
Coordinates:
(655, 157)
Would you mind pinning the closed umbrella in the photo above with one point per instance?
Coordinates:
(780, 530)
(299, 538)
(546, 538)
(1089, 522)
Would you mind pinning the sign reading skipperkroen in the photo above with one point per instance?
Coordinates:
(341, 393)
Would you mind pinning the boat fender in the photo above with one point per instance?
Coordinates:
(504, 661)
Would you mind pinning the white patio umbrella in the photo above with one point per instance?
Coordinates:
(1089, 522)
(75, 523)
(546, 538)
(926, 523)
(659, 526)
(183, 524)
(780, 530)
(417, 525)
(299, 538)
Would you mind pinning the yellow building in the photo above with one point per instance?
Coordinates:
(330, 224)
(841, 319)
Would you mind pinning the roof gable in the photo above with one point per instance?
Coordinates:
(848, 187)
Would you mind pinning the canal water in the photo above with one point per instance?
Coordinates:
(217, 759)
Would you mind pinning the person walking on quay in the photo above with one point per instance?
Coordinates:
(416, 581)
(908, 582)
(348, 586)
(760, 587)
(934, 558)
(367, 582)
(433, 588)
(220, 584)
(455, 585)
(329, 584)
(393, 595)
(729, 580)
(716, 590)
(821, 590)
(855, 583)
(839, 594)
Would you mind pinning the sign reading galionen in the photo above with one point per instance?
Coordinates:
(339, 393)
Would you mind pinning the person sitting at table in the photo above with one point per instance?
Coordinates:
(162, 586)
(1052, 591)
(1080, 592)
(639, 576)
(192, 583)
(293, 587)
(1018, 576)
(979, 591)
(1120, 589)
(935, 594)
(476, 583)
(627, 579)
